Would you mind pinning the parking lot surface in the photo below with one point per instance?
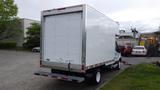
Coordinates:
(17, 73)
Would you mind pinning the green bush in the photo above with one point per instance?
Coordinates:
(7, 45)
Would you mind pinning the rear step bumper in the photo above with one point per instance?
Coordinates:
(60, 76)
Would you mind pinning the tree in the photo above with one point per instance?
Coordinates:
(33, 36)
(9, 22)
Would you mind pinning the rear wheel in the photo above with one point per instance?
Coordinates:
(96, 79)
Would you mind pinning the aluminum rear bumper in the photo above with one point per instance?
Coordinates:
(60, 76)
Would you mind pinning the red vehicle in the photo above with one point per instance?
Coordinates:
(126, 50)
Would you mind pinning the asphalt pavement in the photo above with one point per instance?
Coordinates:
(17, 73)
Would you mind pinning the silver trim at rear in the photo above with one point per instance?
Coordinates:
(84, 37)
(66, 10)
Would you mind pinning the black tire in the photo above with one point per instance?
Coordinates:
(96, 79)
(118, 65)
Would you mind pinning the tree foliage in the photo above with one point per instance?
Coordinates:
(33, 36)
(9, 22)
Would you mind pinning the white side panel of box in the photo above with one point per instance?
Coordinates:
(63, 39)
(100, 37)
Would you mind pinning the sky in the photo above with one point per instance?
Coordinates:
(142, 14)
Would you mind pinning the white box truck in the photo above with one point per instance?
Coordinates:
(76, 42)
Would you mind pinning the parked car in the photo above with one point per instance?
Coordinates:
(139, 50)
(36, 49)
(127, 51)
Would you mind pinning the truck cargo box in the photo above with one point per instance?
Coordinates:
(77, 38)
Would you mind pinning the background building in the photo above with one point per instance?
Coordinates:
(25, 23)
(152, 38)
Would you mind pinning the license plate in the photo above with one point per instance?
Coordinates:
(138, 52)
